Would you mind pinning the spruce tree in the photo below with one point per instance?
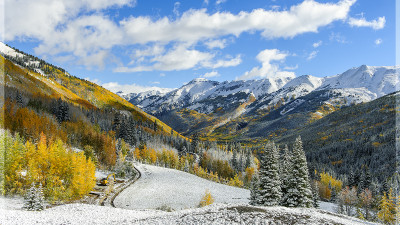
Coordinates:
(299, 191)
(34, 199)
(248, 158)
(234, 162)
(270, 185)
(39, 204)
(285, 170)
(254, 190)
(30, 199)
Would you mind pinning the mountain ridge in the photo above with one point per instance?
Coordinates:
(215, 101)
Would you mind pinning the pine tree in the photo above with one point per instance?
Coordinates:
(30, 199)
(234, 160)
(285, 170)
(254, 190)
(19, 99)
(315, 192)
(248, 158)
(270, 185)
(39, 204)
(299, 191)
(34, 199)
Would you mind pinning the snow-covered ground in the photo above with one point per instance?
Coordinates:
(176, 189)
(81, 214)
(166, 187)
(328, 206)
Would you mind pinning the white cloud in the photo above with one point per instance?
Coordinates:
(338, 37)
(312, 55)
(362, 22)
(317, 44)
(195, 25)
(80, 28)
(206, 2)
(291, 67)
(378, 41)
(155, 82)
(224, 63)
(220, 2)
(268, 69)
(221, 44)
(211, 74)
(180, 57)
(162, 74)
(131, 88)
(176, 8)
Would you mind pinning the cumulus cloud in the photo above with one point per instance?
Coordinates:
(80, 28)
(268, 68)
(221, 44)
(211, 74)
(378, 41)
(180, 57)
(362, 22)
(224, 63)
(195, 25)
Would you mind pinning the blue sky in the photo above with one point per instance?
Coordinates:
(133, 44)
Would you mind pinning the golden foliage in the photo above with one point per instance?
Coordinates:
(64, 174)
(207, 199)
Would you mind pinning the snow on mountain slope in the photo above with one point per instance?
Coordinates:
(358, 84)
(176, 189)
(4, 49)
(378, 80)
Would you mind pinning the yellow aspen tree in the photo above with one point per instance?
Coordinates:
(207, 199)
(386, 206)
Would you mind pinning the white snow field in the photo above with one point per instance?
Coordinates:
(175, 189)
(81, 214)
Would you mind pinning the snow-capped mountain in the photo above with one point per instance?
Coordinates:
(359, 84)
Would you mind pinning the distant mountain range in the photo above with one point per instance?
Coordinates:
(204, 106)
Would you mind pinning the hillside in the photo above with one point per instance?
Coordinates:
(50, 117)
(354, 137)
(29, 74)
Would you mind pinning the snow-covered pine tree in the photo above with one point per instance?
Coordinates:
(34, 199)
(315, 193)
(285, 170)
(248, 158)
(254, 190)
(30, 199)
(234, 162)
(39, 204)
(299, 191)
(270, 185)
